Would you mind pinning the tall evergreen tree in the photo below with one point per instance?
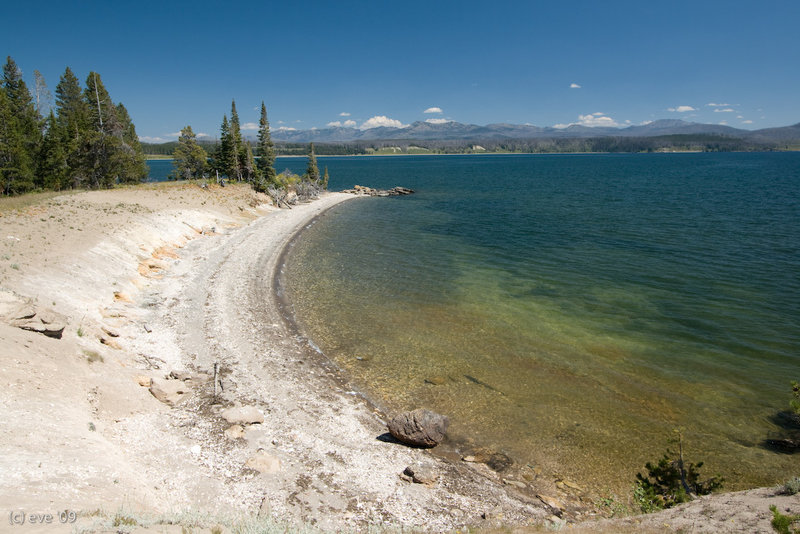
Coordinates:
(248, 164)
(15, 170)
(312, 171)
(225, 157)
(102, 113)
(135, 165)
(266, 149)
(237, 147)
(53, 168)
(26, 123)
(189, 157)
(70, 105)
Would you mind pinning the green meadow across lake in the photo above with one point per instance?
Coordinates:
(570, 311)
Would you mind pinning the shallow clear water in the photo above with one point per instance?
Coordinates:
(575, 308)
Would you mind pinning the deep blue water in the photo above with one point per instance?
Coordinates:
(600, 301)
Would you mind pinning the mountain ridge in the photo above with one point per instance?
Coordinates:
(453, 130)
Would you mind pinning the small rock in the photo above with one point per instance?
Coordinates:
(264, 463)
(111, 332)
(470, 458)
(144, 381)
(422, 474)
(555, 504)
(243, 415)
(170, 392)
(147, 328)
(421, 428)
(234, 432)
(515, 483)
(436, 380)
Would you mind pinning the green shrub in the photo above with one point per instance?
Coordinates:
(795, 402)
(783, 523)
(792, 487)
(671, 481)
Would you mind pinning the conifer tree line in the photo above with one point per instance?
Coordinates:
(235, 159)
(84, 141)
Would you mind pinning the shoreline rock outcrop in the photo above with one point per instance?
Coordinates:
(369, 191)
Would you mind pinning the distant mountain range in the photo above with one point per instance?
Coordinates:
(472, 132)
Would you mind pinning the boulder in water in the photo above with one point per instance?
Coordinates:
(420, 428)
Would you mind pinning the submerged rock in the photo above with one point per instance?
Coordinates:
(421, 428)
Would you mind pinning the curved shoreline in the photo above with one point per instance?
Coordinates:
(329, 467)
(170, 283)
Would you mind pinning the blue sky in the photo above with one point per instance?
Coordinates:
(371, 63)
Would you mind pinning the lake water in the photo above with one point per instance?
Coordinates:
(569, 310)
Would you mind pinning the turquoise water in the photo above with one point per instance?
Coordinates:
(569, 310)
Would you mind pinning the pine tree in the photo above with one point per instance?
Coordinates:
(15, 171)
(53, 168)
(72, 120)
(190, 158)
(26, 124)
(312, 171)
(70, 105)
(237, 148)
(224, 157)
(266, 149)
(135, 163)
(248, 164)
(102, 113)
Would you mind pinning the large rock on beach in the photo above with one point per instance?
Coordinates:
(420, 428)
(45, 321)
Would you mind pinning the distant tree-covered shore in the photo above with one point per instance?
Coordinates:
(664, 143)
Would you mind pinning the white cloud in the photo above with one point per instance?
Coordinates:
(714, 105)
(287, 129)
(344, 114)
(574, 86)
(747, 122)
(340, 124)
(598, 114)
(723, 123)
(249, 126)
(726, 110)
(149, 139)
(201, 134)
(681, 109)
(591, 120)
(739, 117)
(433, 110)
(438, 121)
(381, 120)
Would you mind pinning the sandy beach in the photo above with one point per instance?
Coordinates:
(167, 282)
(178, 392)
